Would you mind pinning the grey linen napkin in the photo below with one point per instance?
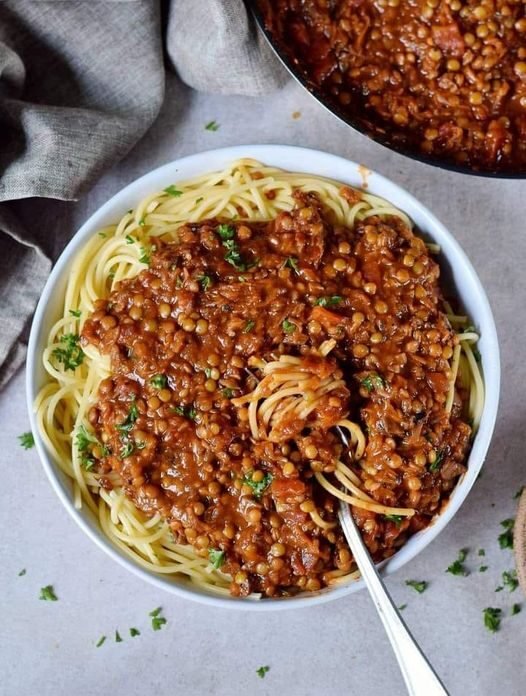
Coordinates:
(80, 83)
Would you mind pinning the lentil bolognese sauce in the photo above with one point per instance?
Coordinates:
(445, 78)
(217, 370)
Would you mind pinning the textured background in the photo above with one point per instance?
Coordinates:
(336, 649)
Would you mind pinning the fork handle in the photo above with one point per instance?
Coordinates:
(419, 676)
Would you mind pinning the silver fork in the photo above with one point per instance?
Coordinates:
(419, 676)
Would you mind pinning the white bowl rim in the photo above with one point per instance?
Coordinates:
(316, 163)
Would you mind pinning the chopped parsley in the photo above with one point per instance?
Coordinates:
(212, 126)
(258, 487)
(261, 671)
(518, 493)
(288, 326)
(516, 609)
(481, 552)
(249, 326)
(130, 239)
(134, 632)
(233, 256)
(397, 519)
(75, 312)
(127, 448)
(47, 593)
(185, 411)
(227, 392)
(509, 580)
(205, 281)
(216, 557)
(492, 618)
(328, 301)
(100, 641)
(27, 440)
(506, 538)
(418, 586)
(483, 568)
(173, 191)
(226, 232)
(157, 620)
(69, 353)
(457, 567)
(145, 256)
(435, 466)
(83, 442)
(372, 382)
(118, 638)
(22, 572)
(130, 419)
(142, 222)
(292, 263)
(159, 381)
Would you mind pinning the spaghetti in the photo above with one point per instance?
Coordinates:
(213, 339)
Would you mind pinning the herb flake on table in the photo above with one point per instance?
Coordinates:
(261, 671)
(100, 641)
(47, 594)
(509, 580)
(506, 538)
(457, 567)
(402, 607)
(481, 552)
(22, 573)
(492, 618)
(27, 440)
(417, 585)
(118, 638)
(483, 568)
(518, 493)
(212, 126)
(158, 621)
(134, 632)
(516, 609)
(69, 352)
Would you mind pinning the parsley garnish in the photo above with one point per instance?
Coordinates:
(212, 126)
(226, 232)
(118, 638)
(457, 567)
(483, 568)
(518, 493)
(258, 487)
(100, 641)
(159, 381)
(397, 519)
(481, 552)
(132, 416)
(435, 466)
(70, 354)
(509, 580)
(291, 262)
(129, 239)
(47, 593)
(506, 538)
(232, 256)
(173, 191)
(205, 282)
(83, 441)
(249, 326)
(127, 448)
(185, 411)
(516, 609)
(288, 326)
(75, 312)
(22, 572)
(373, 381)
(27, 440)
(227, 392)
(418, 586)
(328, 301)
(492, 618)
(146, 255)
(261, 671)
(157, 621)
(134, 632)
(216, 557)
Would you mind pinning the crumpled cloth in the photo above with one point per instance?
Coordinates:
(80, 82)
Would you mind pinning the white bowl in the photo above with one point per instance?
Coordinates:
(456, 269)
